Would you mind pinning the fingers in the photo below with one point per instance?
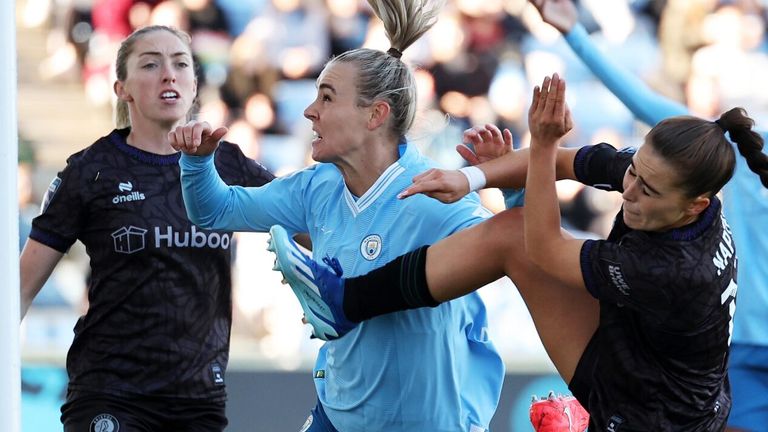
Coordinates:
(424, 186)
(535, 100)
(468, 155)
(219, 133)
(548, 94)
(508, 138)
(495, 133)
(472, 136)
(544, 95)
(188, 137)
(433, 189)
(549, 99)
(194, 132)
(446, 186)
(428, 174)
(558, 88)
(196, 137)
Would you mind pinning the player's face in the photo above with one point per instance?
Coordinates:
(338, 122)
(652, 201)
(160, 84)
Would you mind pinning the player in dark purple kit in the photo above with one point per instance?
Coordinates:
(637, 324)
(150, 353)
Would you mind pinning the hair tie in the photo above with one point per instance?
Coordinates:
(394, 52)
(717, 122)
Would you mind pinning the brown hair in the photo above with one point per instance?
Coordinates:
(701, 153)
(122, 117)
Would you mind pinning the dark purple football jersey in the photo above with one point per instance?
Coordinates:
(160, 300)
(666, 307)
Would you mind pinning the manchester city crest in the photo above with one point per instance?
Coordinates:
(371, 247)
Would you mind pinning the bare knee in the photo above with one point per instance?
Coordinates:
(505, 234)
(506, 229)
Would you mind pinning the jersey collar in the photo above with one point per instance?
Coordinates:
(118, 138)
(696, 228)
(357, 206)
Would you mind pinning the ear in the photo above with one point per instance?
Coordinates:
(697, 205)
(379, 113)
(121, 92)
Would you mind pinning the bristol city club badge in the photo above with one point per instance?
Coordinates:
(105, 423)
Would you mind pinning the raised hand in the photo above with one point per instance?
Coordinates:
(560, 14)
(488, 142)
(196, 138)
(549, 118)
(443, 185)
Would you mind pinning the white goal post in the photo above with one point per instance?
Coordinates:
(10, 359)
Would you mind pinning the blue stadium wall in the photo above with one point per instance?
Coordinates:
(269, 401)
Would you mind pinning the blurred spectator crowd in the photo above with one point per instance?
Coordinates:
(258, 61)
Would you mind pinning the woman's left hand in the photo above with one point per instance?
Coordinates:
(447, 186)
(549, 118)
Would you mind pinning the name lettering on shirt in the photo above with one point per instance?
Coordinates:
(617, 278)
(725, 251)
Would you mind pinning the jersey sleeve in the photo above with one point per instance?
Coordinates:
(248, 171)
(644, 103)
(602, 166)
(62, 215)
(212, 204)
(625, 274)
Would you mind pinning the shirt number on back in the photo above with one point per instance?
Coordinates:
(729, 293)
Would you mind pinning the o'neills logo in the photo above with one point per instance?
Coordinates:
(130, 196)
(133, 196)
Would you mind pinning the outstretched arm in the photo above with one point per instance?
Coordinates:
(545, 243)
(212, 204)
(506, 171)
(642, 101)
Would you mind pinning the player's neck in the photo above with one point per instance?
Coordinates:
(150, 139)
(362, 173)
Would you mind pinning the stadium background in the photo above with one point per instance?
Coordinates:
(259, 59)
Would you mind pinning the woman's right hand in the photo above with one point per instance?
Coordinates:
(560, 14)
(196, 138)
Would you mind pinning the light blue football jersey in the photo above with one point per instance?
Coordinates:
(745, 200)
(429, 369)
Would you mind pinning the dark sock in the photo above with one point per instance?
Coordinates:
(399, 285)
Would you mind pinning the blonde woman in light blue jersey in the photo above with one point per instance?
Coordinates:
(428, 370)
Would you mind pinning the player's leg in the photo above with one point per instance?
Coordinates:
(565, 318)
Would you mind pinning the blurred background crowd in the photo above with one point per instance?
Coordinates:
(258, 63)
